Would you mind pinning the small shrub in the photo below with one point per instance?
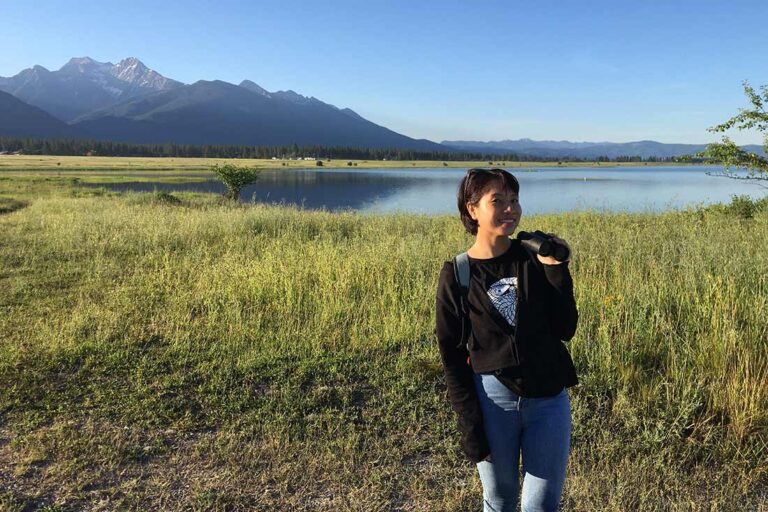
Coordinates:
(156, 197)
(161, 196)
(745, 207)
(349, 164)
(741, 206)
(235, 178)
(319, 163)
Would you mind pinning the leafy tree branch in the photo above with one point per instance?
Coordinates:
(755, 118)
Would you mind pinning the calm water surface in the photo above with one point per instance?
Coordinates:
(433, 191)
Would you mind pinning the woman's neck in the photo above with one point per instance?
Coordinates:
(489, 246)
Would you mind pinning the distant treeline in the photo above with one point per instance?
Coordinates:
(72, 147)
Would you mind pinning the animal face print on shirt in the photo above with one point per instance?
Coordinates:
(503, 295)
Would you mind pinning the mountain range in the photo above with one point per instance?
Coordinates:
(129, 102)
(19, 118)
(583, 150)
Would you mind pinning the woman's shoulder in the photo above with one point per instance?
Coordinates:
(447, 287)
(446, 272)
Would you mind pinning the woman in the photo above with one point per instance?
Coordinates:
(507, 380)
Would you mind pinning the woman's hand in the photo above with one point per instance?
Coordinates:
(549, 260)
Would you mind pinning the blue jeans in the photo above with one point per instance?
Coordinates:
(540, 429)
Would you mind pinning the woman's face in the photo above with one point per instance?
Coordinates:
(497, 212)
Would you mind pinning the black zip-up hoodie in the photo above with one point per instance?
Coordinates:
(534, 310)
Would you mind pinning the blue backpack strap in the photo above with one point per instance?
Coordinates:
(461, 273)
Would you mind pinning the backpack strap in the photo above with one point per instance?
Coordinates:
(461, 273)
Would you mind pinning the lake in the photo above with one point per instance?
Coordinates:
(433, 191)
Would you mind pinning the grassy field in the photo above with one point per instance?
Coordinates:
(175, 352)
(64, 164)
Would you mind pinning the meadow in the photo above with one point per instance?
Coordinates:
(80, 164)
(179, 352)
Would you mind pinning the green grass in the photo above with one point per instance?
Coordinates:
(175, 352)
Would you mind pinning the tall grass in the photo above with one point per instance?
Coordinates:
(160, 354)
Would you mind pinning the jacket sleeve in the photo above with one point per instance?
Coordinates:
(564, 313)
(459, 377)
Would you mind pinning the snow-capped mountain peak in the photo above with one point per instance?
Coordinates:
(132, 71)
(129, 69)
(129, 73)
(83, 65)
(84, 84)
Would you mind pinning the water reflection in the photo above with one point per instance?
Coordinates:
(434, 190)
(331, 190)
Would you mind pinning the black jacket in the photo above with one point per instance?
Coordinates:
(545, 315)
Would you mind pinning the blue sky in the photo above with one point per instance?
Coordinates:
(475, 70)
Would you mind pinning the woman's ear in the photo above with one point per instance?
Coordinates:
(471, 211)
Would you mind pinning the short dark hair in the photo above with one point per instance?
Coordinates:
(475, 184)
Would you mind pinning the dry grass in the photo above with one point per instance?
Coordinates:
(64, 164)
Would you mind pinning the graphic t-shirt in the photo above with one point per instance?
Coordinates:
(496, 281)
(503, 295)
